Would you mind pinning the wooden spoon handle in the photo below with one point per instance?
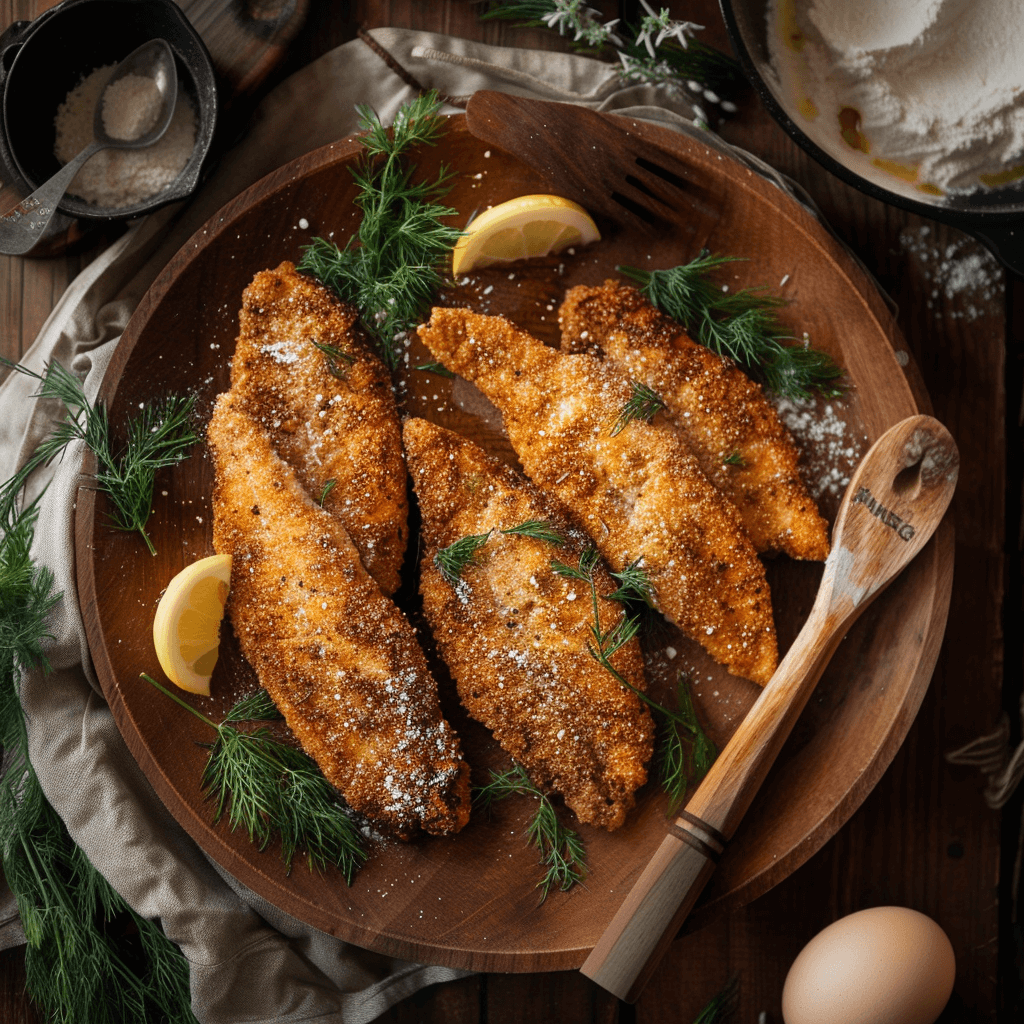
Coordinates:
(896, 499)
(661, 899)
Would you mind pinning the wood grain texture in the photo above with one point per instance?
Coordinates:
(190, 310)
(923, 837)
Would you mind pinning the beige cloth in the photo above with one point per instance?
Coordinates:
(249, 961)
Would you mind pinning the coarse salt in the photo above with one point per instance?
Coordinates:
(115, 178)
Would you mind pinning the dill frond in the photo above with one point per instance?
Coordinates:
(741, 325)
(537, 529)
(685, 750)
(257, 706)
(391, 268)
(634, 584)
(561, 849)
(584, 571)
(82, 962)
(26, 599)
(89, 956)
(687, 753)
(338, 361)
(160, 436)
(452, 560)
(643, 405)
(272, 789)
(438, 368)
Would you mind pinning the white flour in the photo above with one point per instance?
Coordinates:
(929, 93)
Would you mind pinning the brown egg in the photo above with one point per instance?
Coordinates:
(885, 965)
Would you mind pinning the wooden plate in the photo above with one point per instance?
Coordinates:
(470, 901)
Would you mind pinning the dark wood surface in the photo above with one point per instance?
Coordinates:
(924, 837)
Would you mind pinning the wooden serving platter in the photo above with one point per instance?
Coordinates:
(471, 900)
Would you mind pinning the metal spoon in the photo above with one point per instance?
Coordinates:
(895, 501)
(23, 226)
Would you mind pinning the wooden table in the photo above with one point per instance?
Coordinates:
(924, 838)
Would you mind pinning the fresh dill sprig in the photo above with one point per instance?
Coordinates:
(257, 706)
(338, 361)
(392, 266)
(538, 529)
(584, 571)
(271, 788)
(561, 848)
(89, 956)
(329, 486)
(81, 959)
(643, 404)
(440, 369)
(452, 560)
(634, 584)
(160, 436)
(26, 600)
(741, 325)
(686, 750)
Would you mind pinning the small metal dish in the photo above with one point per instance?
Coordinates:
(994, 216)
(41, 61)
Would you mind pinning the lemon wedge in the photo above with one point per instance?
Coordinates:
(520, 229)
(186, 629)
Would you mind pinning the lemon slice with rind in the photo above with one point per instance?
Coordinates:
(186, 629)
(523, 228)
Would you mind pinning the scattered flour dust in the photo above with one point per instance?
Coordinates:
(830, 449)
(963, 273)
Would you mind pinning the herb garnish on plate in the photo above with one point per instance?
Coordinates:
(740, 325)
(271, 788)
(391, 268)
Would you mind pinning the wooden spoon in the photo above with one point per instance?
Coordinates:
(896, 499)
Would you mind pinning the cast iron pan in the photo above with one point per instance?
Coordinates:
(42, 60)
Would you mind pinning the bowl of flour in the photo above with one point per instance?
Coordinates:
(53, 72)
(919, 103)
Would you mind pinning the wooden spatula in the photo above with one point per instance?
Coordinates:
(896, 499)
(591, 158)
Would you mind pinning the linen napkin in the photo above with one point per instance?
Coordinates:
(248, 960)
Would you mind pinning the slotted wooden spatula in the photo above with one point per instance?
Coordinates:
(593, 159)
(896, 499)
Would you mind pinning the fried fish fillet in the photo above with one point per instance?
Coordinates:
(515, 634)
(338, 658)
(733, 430)
(304, 372)
(638, 491)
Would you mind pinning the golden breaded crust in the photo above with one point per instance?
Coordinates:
(734, 431)
(639, 493)
(515, 634)
(330, 417)
(338, 658)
